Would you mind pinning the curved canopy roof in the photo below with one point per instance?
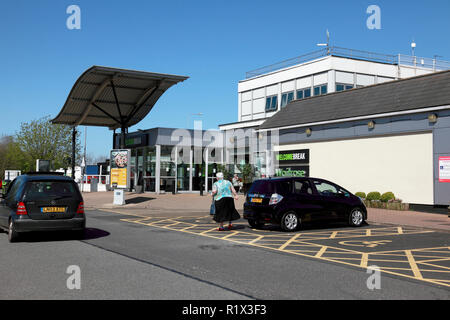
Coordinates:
(114, 98)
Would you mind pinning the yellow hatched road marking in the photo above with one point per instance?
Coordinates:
(289, 241)
(333, 235)
(256, 239)
(169, 225)
(432, 260)
(209, 230)
(259, 237)
(321, 252)
(364, 260)
(412, 263)
(435, 265)
(429, 270)
(230, 235)
(190, 227)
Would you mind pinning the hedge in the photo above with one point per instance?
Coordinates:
(387, 196)
(361, 195)
(374, 195)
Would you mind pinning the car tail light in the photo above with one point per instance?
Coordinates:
(275, 198)
(21, 209)
(80, 208)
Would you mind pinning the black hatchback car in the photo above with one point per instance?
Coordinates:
(290, 202)
(42, 202)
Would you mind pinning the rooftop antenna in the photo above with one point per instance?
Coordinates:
(326, 44)
(413, 47)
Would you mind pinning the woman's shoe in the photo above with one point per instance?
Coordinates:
(220, 229)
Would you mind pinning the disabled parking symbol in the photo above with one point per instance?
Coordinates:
(367, 244)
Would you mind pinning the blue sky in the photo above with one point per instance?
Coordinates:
(213, 42)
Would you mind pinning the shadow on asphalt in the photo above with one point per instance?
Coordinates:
(52, 236)
(138, 200)
(312, 226)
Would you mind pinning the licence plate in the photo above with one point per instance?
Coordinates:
(53, 210)
(257, 200)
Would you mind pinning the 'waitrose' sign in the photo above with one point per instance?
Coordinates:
(292, 163)
(301, 172)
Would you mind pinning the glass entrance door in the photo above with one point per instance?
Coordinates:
(150, 169)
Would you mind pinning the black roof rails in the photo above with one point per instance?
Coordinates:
(44, 173)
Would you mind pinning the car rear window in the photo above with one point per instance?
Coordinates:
(270, 187)
(262, 186)
(36, 190)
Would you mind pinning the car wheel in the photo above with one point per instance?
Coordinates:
(13, 235)
(356, 217)
(290, 221)
(255, 224)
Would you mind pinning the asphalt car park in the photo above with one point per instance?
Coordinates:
(180, 255)
(414, 253)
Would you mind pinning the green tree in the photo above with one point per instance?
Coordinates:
(40, 139)
(225, 169)
(11, 157)
(248, 174)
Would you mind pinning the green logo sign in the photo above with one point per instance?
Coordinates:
(291, 172)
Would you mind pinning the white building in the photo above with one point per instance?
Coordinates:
(267, 90)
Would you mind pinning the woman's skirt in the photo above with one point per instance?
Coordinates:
(225, 210)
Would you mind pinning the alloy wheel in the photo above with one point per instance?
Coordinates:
(357, 217)
(291, 221)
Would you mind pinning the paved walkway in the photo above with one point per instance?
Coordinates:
(191, 204)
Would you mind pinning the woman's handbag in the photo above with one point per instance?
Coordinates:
(212, 209)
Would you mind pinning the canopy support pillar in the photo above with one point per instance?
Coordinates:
(74, 140)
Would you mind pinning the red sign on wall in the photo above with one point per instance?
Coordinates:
(444, 169)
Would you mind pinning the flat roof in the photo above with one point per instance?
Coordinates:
(113, 98)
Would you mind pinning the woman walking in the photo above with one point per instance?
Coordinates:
(223, 193)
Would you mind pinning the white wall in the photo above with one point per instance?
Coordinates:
(402, 164)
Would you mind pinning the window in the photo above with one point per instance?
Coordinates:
(286, 98)
(319, 90)
(261, 186)
(37, 190)
(342, 87)
(14, 186)
(284, 187)
(302, 187)
(303, 93)
(271, 103)
(325, 189)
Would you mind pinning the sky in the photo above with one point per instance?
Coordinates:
(212, 42)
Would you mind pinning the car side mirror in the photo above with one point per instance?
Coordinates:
(343, 194)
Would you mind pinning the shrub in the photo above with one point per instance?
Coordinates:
(387, 197)
(361, 195)
(373, 196)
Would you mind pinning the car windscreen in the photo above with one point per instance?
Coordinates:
(262, 187)
(40, 190)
